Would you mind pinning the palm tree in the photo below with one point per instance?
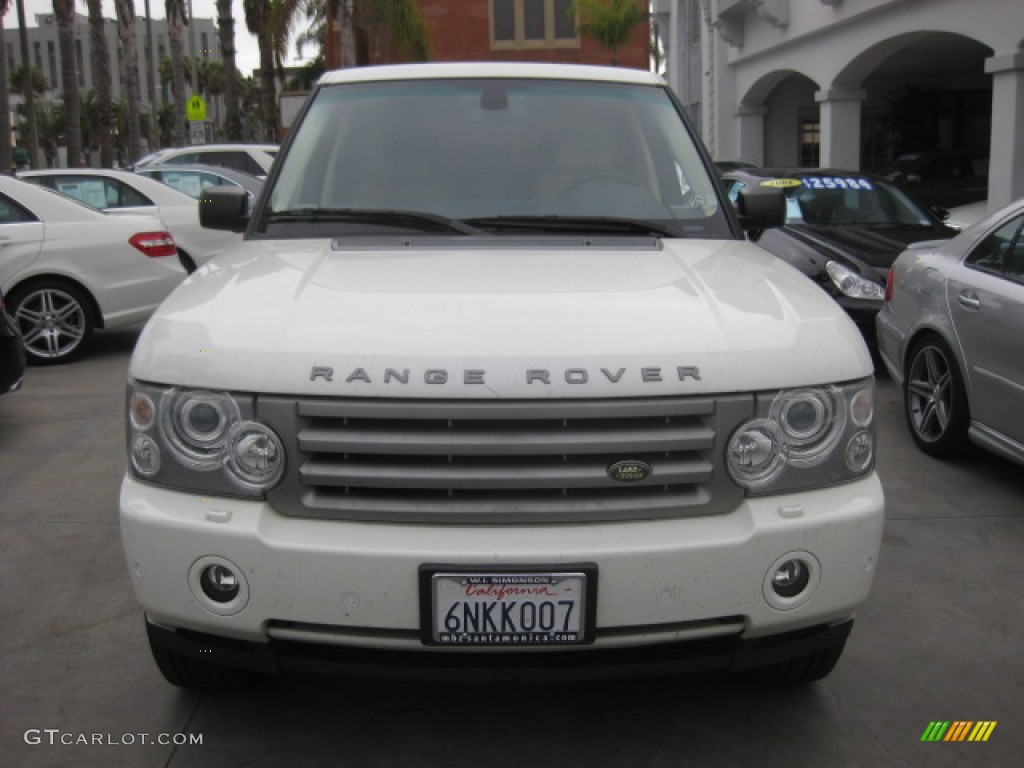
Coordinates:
(38, 83)
(401, 20)
(100, 55)
(154, 130)
(64, 10)
(126, 34)
(30, 108)
(176, 22)
(226, 35)
(258, 18)
(6, 150)
(610, 22)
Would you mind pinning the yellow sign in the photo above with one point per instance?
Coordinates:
(781, 183)
(195, 109)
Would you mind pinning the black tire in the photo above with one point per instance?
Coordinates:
(55, 319)
(197, 675)
(187, 262)
(802, 669)
(935, 399)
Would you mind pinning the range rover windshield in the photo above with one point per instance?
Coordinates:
(492, 157)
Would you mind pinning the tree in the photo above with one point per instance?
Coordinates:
(154, 129)
(126, 34)
(100, 56)
(37, 82)
(6, 150)
(609, 22)
(64, 10)
(226, 35)
(176, 22)
(32, 140)
(258, 18)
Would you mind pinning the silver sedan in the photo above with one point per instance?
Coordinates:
(951, 333)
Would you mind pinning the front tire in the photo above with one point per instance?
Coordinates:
(803, 669)
(192, 674)
(55, 320)
(935, 399)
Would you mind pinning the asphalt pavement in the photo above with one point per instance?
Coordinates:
(939, 640)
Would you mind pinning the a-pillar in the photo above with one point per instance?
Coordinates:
(839, 113)
(750, 134)
(1006, 159)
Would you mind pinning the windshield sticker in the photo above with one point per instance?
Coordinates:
(837, 182)
(781, 183)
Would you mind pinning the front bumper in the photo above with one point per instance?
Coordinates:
(320, 583)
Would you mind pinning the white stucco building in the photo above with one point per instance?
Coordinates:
(851, 83)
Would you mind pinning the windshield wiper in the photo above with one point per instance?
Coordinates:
(418, 220)
(574, 224)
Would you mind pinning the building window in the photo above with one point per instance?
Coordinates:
(37, 55)
(810, 143)
(205, 45)
(532, 24)
(10, 57)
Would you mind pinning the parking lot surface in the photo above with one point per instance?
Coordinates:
(939, 640)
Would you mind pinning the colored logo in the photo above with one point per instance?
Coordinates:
(630, 471)
(958, 730)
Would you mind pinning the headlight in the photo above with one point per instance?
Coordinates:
(200, 440)
(853, 285)
(805, 438)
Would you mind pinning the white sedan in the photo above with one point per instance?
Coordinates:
(67, 269)
(122, 192)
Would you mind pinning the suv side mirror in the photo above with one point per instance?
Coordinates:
(761, 208)
(224, 208)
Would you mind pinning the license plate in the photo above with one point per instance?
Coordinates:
(513, 608)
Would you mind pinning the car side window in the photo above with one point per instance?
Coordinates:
(12, 213)
(98, 192)
(995, 252)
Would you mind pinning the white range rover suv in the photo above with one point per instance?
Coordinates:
(496, 386)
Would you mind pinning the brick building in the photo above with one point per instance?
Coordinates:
(521, 30)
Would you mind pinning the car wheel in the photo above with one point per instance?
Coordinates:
(803, 669)
(934, 399)
(198, 675)
(187, 262)
(55, 320)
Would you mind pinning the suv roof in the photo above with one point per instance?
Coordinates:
(490, 69)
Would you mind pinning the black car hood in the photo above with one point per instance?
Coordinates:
(875, 246)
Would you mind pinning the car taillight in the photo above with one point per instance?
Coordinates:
(154, 244)
(890, 278)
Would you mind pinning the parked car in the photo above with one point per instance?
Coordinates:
(843, 230)
(951, 335)
(192, 179)
(121, 192)
(254, 159)
(963, 216)
(68, 269)
(940, 179)
(12, 352)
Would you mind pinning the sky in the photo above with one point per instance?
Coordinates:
(247, 57)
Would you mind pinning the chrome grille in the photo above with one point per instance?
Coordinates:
(480, 462)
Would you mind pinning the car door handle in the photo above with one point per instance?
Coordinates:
(969, 300)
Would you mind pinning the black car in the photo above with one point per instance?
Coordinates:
(940, 179)
(843, 229)
(12, 352)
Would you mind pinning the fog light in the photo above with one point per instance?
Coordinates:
(791, 578)
(219, 583)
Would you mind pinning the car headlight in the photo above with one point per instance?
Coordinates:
(200, 440)
(805, 438)
(853, 285)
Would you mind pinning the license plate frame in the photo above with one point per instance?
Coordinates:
(574, 582)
